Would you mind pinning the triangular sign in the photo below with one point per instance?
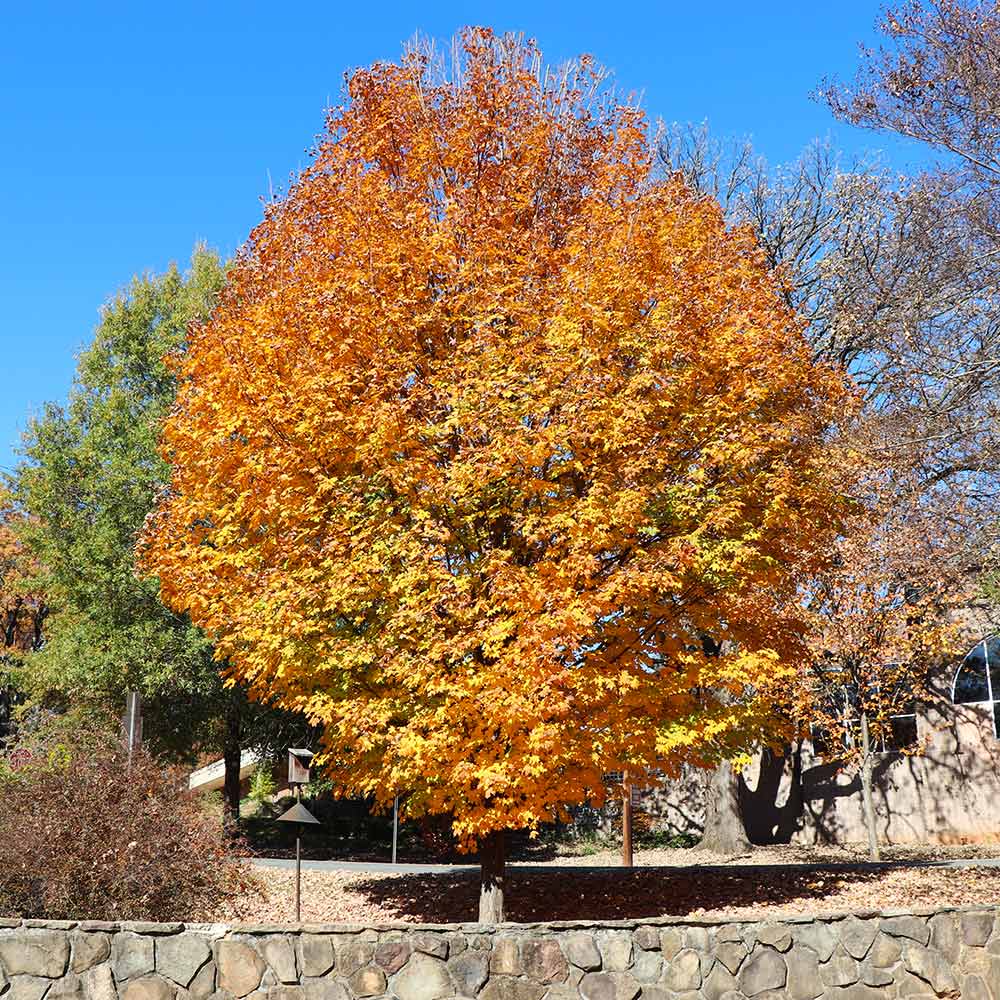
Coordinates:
(297, 814)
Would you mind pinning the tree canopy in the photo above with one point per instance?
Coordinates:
(496, 454)
(893, 281)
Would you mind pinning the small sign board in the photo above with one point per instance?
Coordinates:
(298, 766)
(297, 814)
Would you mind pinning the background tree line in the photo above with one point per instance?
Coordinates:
(90, 474)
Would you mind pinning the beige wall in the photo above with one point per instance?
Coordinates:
(950, 793)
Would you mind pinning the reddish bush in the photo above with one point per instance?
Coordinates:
(85, 834)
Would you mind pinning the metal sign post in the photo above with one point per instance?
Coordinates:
(300, 816)
(395, 826)
(132, 722)
(298, 775)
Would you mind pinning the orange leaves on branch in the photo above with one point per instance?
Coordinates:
(23, 608)
(890, 608)
(487, 434)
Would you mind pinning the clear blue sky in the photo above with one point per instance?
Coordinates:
(130, 131)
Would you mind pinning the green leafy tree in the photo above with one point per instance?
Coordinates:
(90, 474)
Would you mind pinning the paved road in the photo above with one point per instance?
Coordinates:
(385, 868)
(363, 866)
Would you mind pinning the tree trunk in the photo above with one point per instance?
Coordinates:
(626, 823)
(492, 864)
(724, 831)
(232, 752)
(6, 704)
(867, 801)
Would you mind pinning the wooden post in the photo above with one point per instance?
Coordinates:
(626, 822)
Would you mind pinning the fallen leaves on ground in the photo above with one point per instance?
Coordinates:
(774, 854)
(551, 894)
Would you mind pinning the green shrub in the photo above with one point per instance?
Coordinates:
(317, 788)
(262, 787)
(666, 839)
(87, 834)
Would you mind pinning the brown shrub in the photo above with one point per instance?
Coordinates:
(84, 834)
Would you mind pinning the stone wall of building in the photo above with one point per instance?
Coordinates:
(870, 956)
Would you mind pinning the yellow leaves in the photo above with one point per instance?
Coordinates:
(488, 433)
(22, 604)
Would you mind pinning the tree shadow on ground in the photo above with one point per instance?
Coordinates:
(606, 894)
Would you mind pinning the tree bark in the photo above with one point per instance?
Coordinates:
(626, 823)
(6, 704)
(867, 800)
(724, 831)
(232, 752)
(492, 867)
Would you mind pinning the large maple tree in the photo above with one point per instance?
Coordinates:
(496, 451)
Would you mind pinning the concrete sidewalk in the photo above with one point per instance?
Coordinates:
(372, 867)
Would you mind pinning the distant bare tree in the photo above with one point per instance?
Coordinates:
(936, 79)
(896, 281)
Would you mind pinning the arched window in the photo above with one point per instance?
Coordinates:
(977, 680)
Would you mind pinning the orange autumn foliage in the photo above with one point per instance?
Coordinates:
(23, 608)
(488, 435)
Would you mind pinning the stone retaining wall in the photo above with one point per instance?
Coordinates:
(946, 953)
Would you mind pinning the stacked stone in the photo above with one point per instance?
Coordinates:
(871, 956)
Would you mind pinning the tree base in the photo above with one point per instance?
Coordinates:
(492, 862)
(724, 830)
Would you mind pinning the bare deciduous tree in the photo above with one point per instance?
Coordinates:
(895, 281)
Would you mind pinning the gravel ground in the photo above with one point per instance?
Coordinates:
(655, 888)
